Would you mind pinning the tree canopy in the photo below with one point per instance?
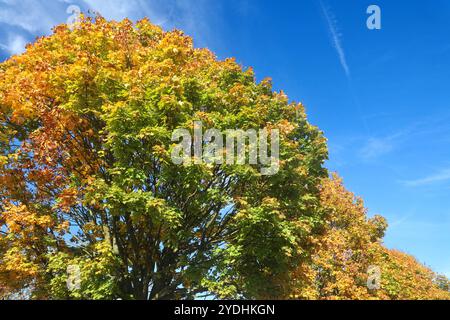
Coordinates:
(350, 247)
(86, 180)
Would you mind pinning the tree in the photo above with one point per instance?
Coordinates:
(93, 207)
(443, 282)
(350, 247)
(404, 278)
(86, 177)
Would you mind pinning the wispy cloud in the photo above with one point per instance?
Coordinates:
(435, 126)
(441, 176)
(376, 147)
(194, 17)
(32, 16)
(399, 221)
(156, 10)
(22, 20)
(336, 37)
(15, 44)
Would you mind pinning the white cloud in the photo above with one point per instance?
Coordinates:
(376, 147)
(336, 37)
(194, 17)
(15, 45)
(119, 9)
(441, 176)
(23, 20)
(399, 221)
(33, 16)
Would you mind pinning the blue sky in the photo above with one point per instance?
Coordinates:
(380, 96)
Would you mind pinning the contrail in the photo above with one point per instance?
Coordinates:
(336, 38)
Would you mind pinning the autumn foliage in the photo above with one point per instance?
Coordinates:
(349, 247)
(86, 179)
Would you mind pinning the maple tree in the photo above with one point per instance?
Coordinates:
(349, 247)
(86, 180)
(86, 177)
